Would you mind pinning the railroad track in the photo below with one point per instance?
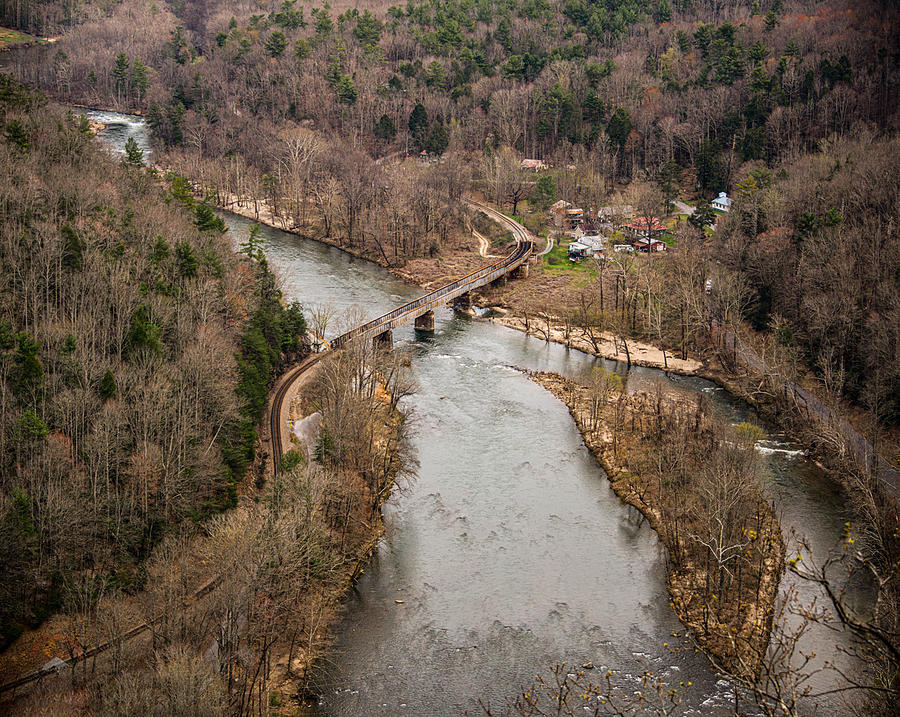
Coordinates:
(407, 312)
(388, 321)
(520, 233)
(445, 294)
(55, 666)
(278, 403)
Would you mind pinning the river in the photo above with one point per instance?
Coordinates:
(509, 552)
(119, 128)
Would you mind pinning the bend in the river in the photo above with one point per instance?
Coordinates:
(510, 552)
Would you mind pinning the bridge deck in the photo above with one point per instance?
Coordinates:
(443, 295)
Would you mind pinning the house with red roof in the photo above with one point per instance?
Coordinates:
(648, 246)
(646, 227)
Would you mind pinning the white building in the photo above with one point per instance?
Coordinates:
(721, 203)
(535, 165)
(585, 246)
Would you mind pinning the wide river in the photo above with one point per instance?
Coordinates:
(509, 552)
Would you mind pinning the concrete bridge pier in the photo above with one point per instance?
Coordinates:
(385, 340)
(521, 272)
(500, 281)
(425, 322)
(463, 301)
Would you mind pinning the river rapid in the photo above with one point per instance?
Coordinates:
(119, 128)
(509, 552)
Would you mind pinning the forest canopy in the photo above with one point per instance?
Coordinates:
(136, 350)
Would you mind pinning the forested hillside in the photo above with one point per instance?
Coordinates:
(819, 262)
(644, 81)
(292, 103)
(136, 349)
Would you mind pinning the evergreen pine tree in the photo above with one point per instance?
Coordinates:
(385, 129)
(252, 247)
(704, 215)
(120, 72)
(276, 44)
(418, 125)
(107, 387)
(134, 155)
(207, 220)
(346, 90)
(72, 248)
(140, 81)
(17, 135)
(438, 139)
(667, 180)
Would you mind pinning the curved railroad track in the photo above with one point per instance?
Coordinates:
(388, 321)
(406, 313)
(519, 232)
(281, 392)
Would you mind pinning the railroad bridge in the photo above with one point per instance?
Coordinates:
(420, 310)
(457, 292)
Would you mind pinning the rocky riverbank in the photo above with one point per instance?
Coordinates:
(603, 344)
(694, 482)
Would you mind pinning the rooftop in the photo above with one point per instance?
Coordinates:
(722, 199)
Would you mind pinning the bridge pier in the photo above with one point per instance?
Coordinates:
(520, 272)
(425, 322)
(463, 301)
(385, 340)
(500, 281)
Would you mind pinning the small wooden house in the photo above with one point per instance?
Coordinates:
(648, 246)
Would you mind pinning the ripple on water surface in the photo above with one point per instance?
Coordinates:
(577, 576)
(510, 551)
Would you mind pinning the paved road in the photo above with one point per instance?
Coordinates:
(546, 249)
